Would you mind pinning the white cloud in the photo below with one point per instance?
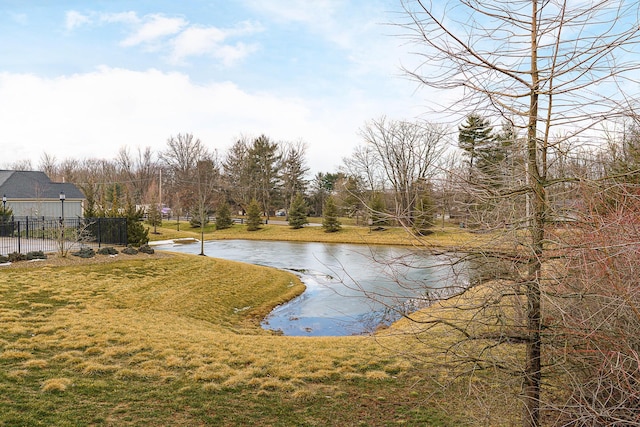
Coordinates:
(75, 19)
(195, 41)
(198, 41)
(92, 115)
(153, 29)
(120, 17)
(174, 35)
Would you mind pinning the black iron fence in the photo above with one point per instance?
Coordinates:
(28, 234)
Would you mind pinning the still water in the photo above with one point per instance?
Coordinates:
(351, 289)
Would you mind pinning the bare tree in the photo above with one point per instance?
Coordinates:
(556, 70)
(401, 156)
(207, 187)
(48, 165)
(21, 165)
(181, 158)
(138, 171)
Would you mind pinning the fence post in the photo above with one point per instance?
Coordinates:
(27, 234)
(19, 251)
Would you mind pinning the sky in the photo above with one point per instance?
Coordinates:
(82, 79)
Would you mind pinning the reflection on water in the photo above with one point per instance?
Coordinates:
(351, 289)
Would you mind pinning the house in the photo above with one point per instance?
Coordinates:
(33, 194)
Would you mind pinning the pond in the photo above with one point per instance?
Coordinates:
(351, 289)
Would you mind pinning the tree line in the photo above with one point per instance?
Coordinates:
(401, 173)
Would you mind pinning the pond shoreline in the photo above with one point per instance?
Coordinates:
(350, 289)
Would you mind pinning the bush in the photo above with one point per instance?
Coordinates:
(36, 255)
(146, 249)
(108, 251)
(17, 256)
(3, 259)
(85, 253)
(130, 250)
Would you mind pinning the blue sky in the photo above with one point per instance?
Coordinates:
(81, 79)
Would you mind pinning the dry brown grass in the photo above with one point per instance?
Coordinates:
(448, 237)
(168, 318)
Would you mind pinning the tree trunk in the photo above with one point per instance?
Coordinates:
(533, 365)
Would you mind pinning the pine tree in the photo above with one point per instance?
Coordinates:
(5, 217)
(223, 216)
(137, 234)
(377, 210)
(253, 216)
(298, 212)
(154, 217)
(423, 215)
(475, 138)
(330, 222)
(199, 218)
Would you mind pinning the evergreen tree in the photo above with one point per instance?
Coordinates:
(90, 210)
(199, 218)
(423, 215)
(253, 216)
(154, 217)
(137, 234)
(321, 186)
(223, 216)
(292, 171)
(5, 217)
(475, 138)
(263, 164)
(5, 214)
(377, 210)
(298, 212)
(330, 222)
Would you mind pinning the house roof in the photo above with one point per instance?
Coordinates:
(34, 185)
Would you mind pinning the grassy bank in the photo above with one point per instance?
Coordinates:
(449, 236)
(175, 340)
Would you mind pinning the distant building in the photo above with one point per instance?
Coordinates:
(33, 194)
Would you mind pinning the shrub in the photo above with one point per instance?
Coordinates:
(3, 259)
(108, 251)
(36, 255)
(16, 256)
(130, 250)
(146, 249)
(85, 253)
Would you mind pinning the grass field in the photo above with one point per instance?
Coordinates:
(448, 237)
(172, 339)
